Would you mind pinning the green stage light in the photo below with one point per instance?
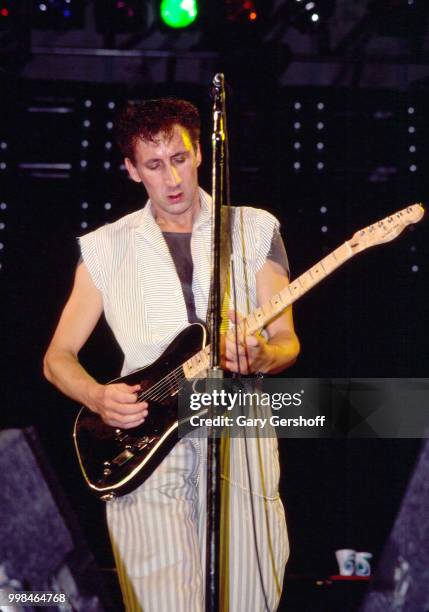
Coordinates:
(179, 13)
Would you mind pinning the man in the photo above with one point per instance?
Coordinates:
(148, 273)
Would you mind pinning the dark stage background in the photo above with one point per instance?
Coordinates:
(327, 161)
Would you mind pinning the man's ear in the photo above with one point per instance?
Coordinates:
(198, 154)
(132, 171)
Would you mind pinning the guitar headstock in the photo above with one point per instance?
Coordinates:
(387, 229)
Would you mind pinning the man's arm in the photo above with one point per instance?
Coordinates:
(116, 403)
(256, 354)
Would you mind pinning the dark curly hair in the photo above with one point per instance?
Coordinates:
(145, 120)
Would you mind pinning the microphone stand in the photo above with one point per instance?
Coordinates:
(215, 372)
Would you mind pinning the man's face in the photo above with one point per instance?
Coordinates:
(168, 168)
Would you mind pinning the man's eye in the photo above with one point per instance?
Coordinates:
(153, 166)
(180, 159)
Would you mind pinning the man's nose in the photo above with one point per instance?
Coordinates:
(172, 176)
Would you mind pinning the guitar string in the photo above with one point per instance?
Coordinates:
(167, 392)
(167, 388)
(161, 386)
(164, 386)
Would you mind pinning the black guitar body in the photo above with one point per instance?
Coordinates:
(116, 461)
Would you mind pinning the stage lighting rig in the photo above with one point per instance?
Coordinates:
(58, 14)
(221, 17)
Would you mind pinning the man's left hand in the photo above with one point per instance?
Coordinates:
(245, 354)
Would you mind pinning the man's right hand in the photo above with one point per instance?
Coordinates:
(117, 405)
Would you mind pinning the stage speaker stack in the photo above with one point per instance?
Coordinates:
(401, 582)
(42, 548)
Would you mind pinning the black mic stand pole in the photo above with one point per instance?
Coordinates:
(215, 372)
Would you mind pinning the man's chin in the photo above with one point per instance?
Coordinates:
(179, 207)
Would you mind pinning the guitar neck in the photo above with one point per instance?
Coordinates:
(260, 317)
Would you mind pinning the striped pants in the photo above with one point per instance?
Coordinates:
(158, 531)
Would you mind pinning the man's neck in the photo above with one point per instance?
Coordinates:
(179, 225)
(182, 223)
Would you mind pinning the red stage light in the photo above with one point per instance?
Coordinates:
(4, 12)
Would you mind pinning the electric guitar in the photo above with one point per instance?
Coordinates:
(116, 461)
